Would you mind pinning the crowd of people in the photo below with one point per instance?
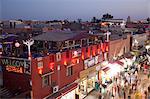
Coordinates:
(126, 85)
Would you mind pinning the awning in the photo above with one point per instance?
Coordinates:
(120, 63)
(105, 69)
(62, 92)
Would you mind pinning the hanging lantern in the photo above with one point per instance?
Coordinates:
(65, 62)
(89, 52)
(107, 48)
(40, 71)
(17, 44)
(82, 57)
(73, 61)
(51, 66)
(103, 47)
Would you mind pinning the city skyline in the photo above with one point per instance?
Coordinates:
(73, 10)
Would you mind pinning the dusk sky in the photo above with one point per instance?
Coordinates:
(73, 9)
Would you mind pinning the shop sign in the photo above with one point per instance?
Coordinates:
(85, 63)
(98, 68)
(16, 64)
(92, 75)
(14, 69)
(96, 59)
(76, 53)
(104, 63)
(100, 58)
(91, 62)
(40, 64)
(85, 73)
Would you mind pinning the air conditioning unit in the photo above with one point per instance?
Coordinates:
(55, 89)
(58, 56)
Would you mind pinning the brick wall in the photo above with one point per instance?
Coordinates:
(116, 47)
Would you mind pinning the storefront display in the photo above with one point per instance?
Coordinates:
(87, 81)
(70, 95)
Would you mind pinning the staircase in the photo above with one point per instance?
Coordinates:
(5, 93)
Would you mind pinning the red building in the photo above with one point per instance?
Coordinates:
(68, 72)
(61, 75)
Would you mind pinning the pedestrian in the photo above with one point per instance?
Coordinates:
(115, 90)
(100, 88)
(129, 97)
(130, 91)
(145, 93)
(118, 90)
(148, 89)
(124, 94)
(100, 97)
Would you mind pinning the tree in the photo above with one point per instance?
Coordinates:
(79, 20)
(148, 20)
(94, 20)
(107, 16)
(20, 20)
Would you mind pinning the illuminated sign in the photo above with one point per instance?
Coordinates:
(14, 69)
(19, 65)
(89, 62)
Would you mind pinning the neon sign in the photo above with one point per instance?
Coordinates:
(14, 69)
(18, 65)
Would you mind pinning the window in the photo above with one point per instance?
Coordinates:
(69, 71)
(40, 64)
(58, 56)
(46, 80)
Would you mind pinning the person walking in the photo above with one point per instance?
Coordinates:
(129, 97)
(124, 94)
(118, 90)
(149, 89)
(100, 96)
(145, 95)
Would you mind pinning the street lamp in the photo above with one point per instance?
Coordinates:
(17, 44)
(29, 43)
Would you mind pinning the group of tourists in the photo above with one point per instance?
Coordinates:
(125, 85)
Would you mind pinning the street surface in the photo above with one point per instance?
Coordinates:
(142, 86)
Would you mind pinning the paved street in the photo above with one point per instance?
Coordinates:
(142, 85)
